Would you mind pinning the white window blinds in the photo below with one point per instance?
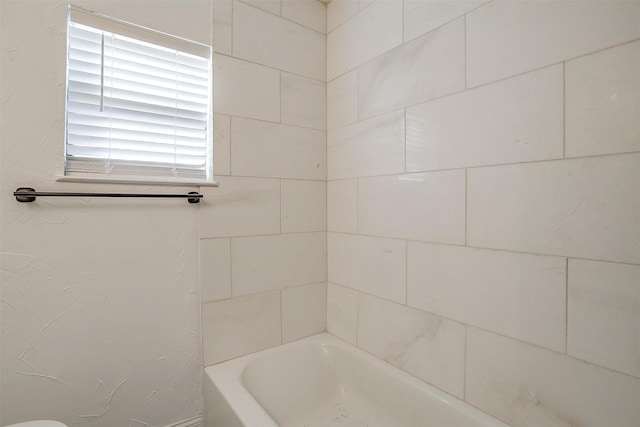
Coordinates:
(138, 103)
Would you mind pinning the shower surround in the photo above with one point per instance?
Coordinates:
(450, 186)
(484, 200)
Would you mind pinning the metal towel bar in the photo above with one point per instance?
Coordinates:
(28, 194)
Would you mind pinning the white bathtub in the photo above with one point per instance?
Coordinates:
(321, 381)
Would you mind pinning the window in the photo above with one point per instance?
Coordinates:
(138, 104)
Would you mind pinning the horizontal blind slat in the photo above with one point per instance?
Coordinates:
(144, 111)
(170, 117)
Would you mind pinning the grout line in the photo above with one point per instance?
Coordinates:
(230, 148)
(564, 110)
(466, 80)
(201, 299)
(281, 317)
(280, 16)
(326, 305)
(404, 118)
(230, 266)
(464, 366)
(326, 311)
(406, 272)
(459, 245)
(326, 14)
(233, 14)
(281, 209)
(270, 67)
(357, 180)
(566, 313)
(358, 120)
(466, 206)
(416, 172)
(403, 25)
(357, 316)
(553, 64)
(347, 20)
(252, 236)
(280, 96)
(268, 121)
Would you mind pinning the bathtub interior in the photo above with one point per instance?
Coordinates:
(323, 382)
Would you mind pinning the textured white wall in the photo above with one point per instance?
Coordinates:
(100, 298)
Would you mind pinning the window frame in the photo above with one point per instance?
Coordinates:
(148, 35)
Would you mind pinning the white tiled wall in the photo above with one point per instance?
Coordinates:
(263, 249)
(370, 147)
(476, 166)
(268, 39)
(529, 386)
(483, 201)
(428, 67)
(366, 35)
(266, 149)
(505, 38)
(602, 102)
(429, 347)
(512, 121)
(369, 264)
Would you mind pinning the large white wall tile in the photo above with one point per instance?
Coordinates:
(339, 11)
(427, 206)
(515, 120)
(426, 68)
(368, 264)
(603, 102)
(342, 205)
(267, 39)
(427, 346)
(505, 38)
(529, 386)
(239, 326)
(275, 150)
(370, 147)
(240, 207)
(221, 145)
(422, 16)
(342, 100)
(222, 23)
(373, 31)
(266, 263)
(271, 6)
(604, 314)
(304, 101)
(583, 208)
(304, 311)
(342, 312)
(245, 89)
(304, 206)
(310, 13)
(364, 3)
(519, 295)
(215, 269)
